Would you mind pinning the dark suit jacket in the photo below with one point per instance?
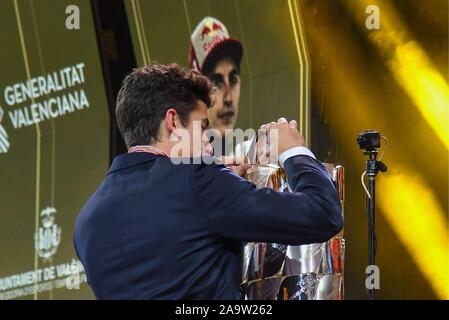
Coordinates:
(156, 230)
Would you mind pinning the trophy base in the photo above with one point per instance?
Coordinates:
(305, 286)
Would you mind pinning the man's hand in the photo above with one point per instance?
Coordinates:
(236, 164)
(288, 135)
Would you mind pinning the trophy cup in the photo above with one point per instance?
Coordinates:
(289, 272)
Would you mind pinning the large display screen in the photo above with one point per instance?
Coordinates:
(275, 69)
(54, 144)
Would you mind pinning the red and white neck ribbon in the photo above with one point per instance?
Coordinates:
(148, 149)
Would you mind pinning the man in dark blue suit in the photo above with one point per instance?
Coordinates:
(157, 229)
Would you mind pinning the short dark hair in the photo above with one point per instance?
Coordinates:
(148, 92)
(212, 61)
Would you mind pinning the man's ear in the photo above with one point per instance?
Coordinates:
(170, 120)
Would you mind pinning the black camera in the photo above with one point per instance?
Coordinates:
(369, 140)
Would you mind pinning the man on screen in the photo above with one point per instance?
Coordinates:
(160, 229)
(217, 55)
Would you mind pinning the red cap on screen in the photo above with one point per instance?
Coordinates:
(209, 38)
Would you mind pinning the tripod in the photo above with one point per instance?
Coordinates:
(369, 141)
(373, 166)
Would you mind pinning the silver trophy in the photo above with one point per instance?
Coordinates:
(274, 271)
